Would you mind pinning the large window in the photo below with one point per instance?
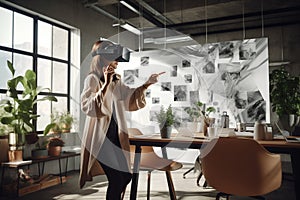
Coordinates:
(31, 42)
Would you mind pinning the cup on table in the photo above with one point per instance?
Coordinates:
(268, 135)
(211, 132)
(241, 127)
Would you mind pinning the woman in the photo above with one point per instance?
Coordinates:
(105, 144)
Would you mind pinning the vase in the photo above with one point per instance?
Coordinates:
(165, 132)
(54, 150)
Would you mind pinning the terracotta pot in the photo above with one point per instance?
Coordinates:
(15, 155)
(54, 150)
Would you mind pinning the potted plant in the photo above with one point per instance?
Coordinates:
(66, 120)
(55, 145)
(285, 97)
(21, 108)
(166, 119)
(198, 113)
(54, 126)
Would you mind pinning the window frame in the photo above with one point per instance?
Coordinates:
(35, 56)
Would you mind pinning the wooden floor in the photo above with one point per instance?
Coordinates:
(186, 189)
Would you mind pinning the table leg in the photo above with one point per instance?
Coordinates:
(169, 177)
(136, 169)
(295, 158)
(2, 179)
(18, 182)
(66, 167)
(171, 186)
(60, 175)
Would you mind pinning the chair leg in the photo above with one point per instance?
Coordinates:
(148, 185)
(198, 179)
(188, 171)
(222, 194)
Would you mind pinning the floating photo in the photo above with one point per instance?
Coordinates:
(129, 76)
(194, 96)
(174, 71)
(226, 49)
(180, 93)
(247, 51)
(188, 78)
(144, 60)
(240, 99)
(155, 100)
(166, 86)
(186, 63)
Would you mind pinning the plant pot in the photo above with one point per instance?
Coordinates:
(31, 138)
(15, 155)
(4, 148)
(65, 128)
(165, 132)
(54, 150)
(39, 153)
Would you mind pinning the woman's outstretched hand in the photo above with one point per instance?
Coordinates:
(152, 79)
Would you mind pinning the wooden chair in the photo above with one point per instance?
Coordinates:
(150, 161)
(240, 166)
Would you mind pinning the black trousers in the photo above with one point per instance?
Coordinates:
(117, 182)
(114, 163)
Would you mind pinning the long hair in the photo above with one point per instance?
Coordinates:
(97, 62)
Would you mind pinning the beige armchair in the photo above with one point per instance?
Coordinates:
(240, 166)
(150, 161)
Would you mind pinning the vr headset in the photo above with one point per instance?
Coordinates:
(113, 52)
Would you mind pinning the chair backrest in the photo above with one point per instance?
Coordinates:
(149, 159)
(240, 166)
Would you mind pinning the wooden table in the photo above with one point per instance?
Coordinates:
(276, 146)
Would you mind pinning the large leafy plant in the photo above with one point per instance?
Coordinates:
(284, 92)
(21, 107)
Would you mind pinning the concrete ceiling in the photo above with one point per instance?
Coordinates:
(195, 18)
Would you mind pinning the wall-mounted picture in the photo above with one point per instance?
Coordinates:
(129, 76)
(186, 63)
(174, 71)
(155, 100)
(166, 86)
(144, 60)
(247, 50)
(194, 96)
(188, 78)
(180, 93)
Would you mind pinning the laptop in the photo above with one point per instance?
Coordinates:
(287, 138)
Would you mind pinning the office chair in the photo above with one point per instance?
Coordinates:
(197, 166)
(240, 166)
(150, 161)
